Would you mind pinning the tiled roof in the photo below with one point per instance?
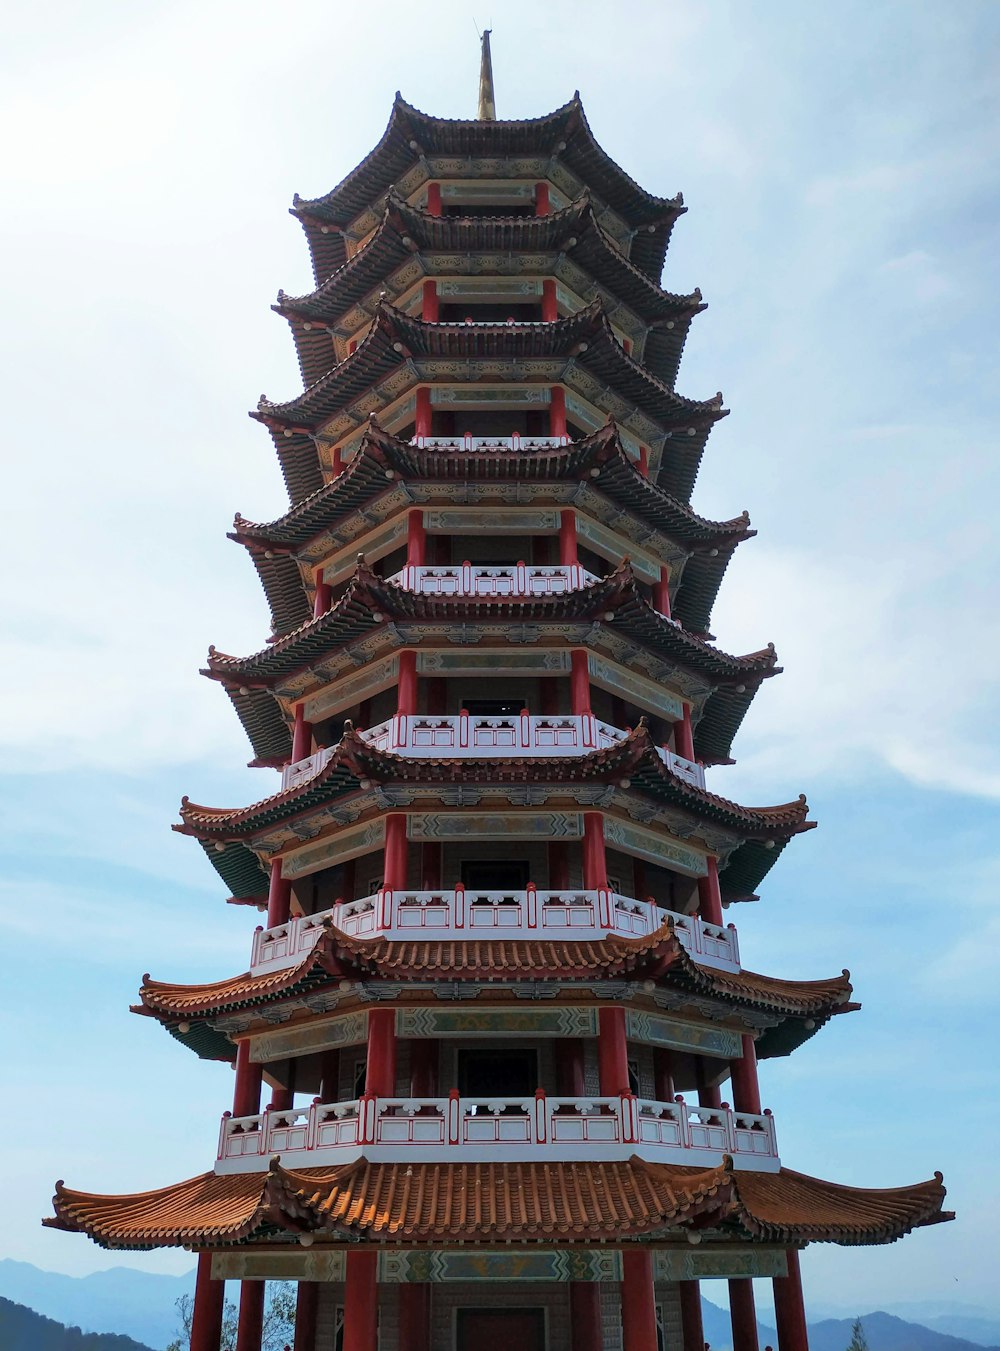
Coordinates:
(485, 1202)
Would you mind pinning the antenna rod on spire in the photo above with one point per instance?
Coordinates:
(487, 103)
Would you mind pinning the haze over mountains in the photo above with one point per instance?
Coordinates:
(140, 1305)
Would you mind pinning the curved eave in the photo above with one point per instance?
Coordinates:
(436, 1203)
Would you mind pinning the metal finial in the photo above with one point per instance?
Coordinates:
(487, 102)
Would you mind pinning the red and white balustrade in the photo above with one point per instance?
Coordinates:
(468, 442)
(493, 581)
(458, 913)
(457, 1129)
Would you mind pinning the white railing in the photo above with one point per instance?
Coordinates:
(494, 580)
(688, 770)
(497, 1129)
(468, 442)
(532, 913)
(462, 736)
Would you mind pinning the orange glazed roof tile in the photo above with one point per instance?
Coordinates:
(431, 1202)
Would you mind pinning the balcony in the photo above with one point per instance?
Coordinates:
(493, 582)
(499, 443)
(484, 914)
(504, 1130)
(463, 737)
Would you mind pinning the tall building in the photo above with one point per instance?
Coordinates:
(508, 1045)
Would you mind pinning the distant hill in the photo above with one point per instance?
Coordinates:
(22, 1329)
(884, 1333)
(138, 1304)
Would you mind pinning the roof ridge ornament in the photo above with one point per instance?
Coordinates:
(487, 101)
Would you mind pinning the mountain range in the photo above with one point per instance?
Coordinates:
(22, 1329)
(141, 1305)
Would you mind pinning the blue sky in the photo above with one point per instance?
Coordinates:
(839, 166)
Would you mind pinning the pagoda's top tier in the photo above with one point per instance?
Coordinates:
(560, 147)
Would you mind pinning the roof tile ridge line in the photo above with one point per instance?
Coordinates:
(695, 641)
(686, 404)
(675, 202)
(745, 973)
(348, 265)
(412, 111)
(620, 258)
(300, 205)
(280, 979)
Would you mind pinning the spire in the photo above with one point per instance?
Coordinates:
(487, 103)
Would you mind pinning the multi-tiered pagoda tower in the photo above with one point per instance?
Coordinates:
(508, 1046)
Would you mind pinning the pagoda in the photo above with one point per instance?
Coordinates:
(508, 1047)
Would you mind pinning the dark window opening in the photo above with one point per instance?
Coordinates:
(500, 1074)
(489, 311)
(494, 708)
(495, 874)
(489, 209)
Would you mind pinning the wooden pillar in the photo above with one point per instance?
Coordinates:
(663, 1074)
(321, 601)
(595, 866)
(692, 1332)
(246, 1090)
(380, 1070)
(206, 1317)
(579, 682)
(709, 1095)
(414, 1316)
(568, 547)
(661, 598)
(329, 1076)
(434, 199)
(361, 1301)
(416, 539)
(422, 416)
(542, 202)
(279, 896)
(250, 1327)
(643, 462)
(557, 412)
(558, 866)
(301, 736)
(638, 1304)
(550, 305)
(746, 1089)
(406, 688)
(437, 696)
(684, 736)
(306, 1309)
(789, 1309)
(612, 1051)
(585, 1316)
(431, 868)
(571, 1081)
(429, 302)
(283, 1095)
(395, 869)
(743, 1314)
(424, 1068)
(710, 895)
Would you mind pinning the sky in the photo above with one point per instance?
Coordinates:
(839, 165)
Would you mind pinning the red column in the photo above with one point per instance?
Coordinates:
(321, 601)
(571, 1079)
(416, 539)
(361, 1302)
(283, 1095)
(709, 1095)
(746, 1089)
(329, 1075)
(663, 1075)
(430, 866)
(557, 412)
(789, 1310)
(209, 1297)
(692, 1332)
(424, 1068)
(301, 736)
(279, 896)
(585, 1316)
(422, 418)
(638, 1305)
(683, 735)
(558, 866)
(612, 1050)
(568, 549)
(380, 1074)
(414, 1316)
(743, 1314)
(595, 865)
(406, 690)
(395, 867)
(710, 895)
(306, 1308)
(643, 465)
(434, 199)
(437, 696)
(579, 683)
(661, 598)
(429, 302)
(251, 1323)
(550, 305)
(246, 1090)
(542, 206)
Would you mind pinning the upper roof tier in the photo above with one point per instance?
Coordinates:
(559, 145)
(492, 245)
(543, 353)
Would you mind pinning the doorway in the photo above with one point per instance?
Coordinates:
(500, 1330)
